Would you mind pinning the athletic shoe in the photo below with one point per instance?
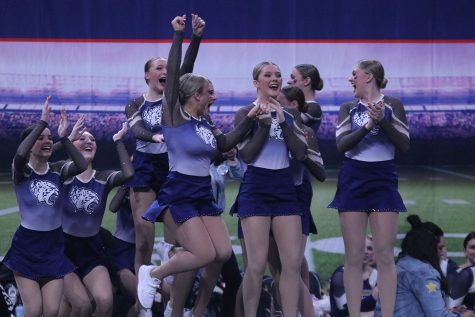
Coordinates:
(163, 251)
(147, 286)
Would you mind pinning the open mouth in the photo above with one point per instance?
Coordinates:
(274, 86)
(162, 80)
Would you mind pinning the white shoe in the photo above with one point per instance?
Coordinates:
(145, 312)
(163, 251)
(187, 312)
(147, 286)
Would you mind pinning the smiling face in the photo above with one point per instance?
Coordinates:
(359, 80)
(296, 79)
(42, 149)
(86, 145)
(156, 74)
(268, 82)
(470, 251)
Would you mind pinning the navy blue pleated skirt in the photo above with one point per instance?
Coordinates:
(266, 192)
(304, 196)
(186, 196)
(38, 255)
(368, 187)
(86, 253)
(121, 255)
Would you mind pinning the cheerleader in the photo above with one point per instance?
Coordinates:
(82, 217)
(369, 131)
(144, 115)
(186, 198)
(36, 255)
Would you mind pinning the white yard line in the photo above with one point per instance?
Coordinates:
(466, 176)
(8, 211)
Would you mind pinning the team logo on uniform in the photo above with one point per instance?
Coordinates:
(275, 130)
(44, 191)
(361, 118)
(152, 116)
(206, 135)
(84, 199)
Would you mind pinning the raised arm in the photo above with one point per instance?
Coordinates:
(118, 198)
(22, 154)
(126, 168)
(198, 25)
(171, 106)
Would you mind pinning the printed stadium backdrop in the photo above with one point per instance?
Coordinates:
(89, 55)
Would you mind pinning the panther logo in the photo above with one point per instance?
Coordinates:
(44, 191)
(275, 130)
(84, 199)
(361, 118)
(152, 116)
(206, 135)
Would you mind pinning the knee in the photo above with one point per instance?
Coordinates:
(256, 268)
(207, 256)
(34, 310)
(223, 255)
(103, 302)
(384, 257)
(354, 258)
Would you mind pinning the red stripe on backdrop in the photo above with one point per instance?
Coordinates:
(69, 40)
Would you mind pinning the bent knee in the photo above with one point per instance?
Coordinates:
(223, 256)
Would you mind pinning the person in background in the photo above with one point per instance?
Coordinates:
(421, 286)
(462, 281)
(369, 297)
(369, 131)
(307, 78)
(36, 255)
(292, 97)
(122, 252)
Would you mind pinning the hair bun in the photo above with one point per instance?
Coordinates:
(414, 220)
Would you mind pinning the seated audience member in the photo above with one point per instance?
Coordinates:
(462, 282)
(370, 292)
(420, 283)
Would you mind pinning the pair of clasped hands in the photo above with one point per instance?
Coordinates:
(263, 109)
(376, 114)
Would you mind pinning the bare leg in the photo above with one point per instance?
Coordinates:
(353, 227)
(239, 308)
(99, 285)
(384, 230)
(198, 249)
(30, 293)
(219, 235)
(305, 300)
(256, 234)
(273, 261)
(287, 232)
(51, 294)
(76, 296)
(140, 201)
